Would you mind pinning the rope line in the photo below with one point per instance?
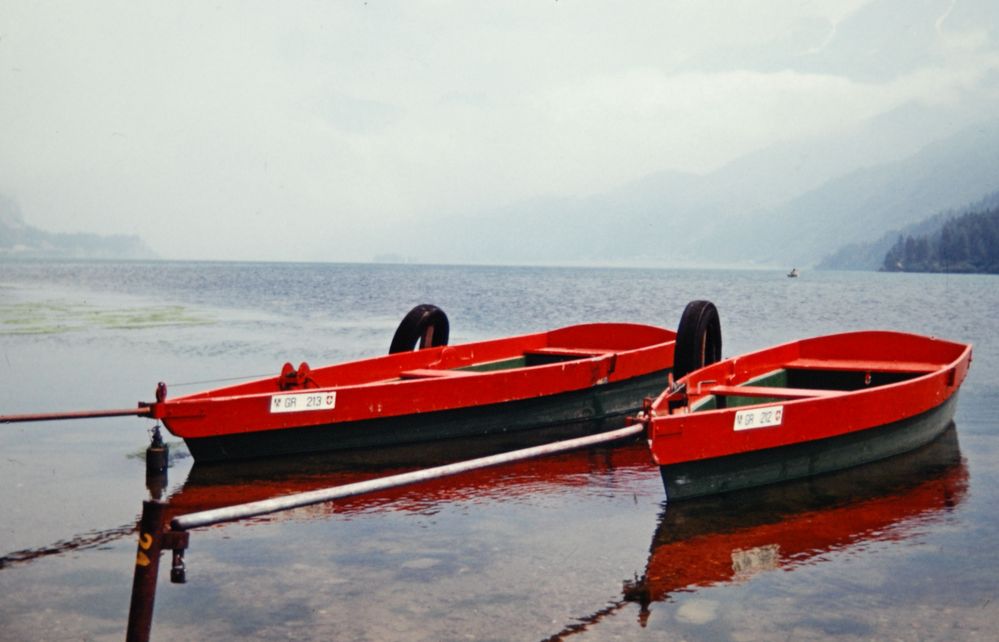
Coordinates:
(199, 383)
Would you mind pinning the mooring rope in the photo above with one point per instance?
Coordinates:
(223, 380)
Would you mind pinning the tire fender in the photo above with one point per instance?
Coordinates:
(425, 324)
(698, 338)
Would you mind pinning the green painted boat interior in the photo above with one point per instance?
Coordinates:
(524, 361)
(805, 379)
(503, 364)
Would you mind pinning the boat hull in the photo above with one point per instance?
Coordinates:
(564, 376)
(699, 478)
(579, 411)
(804, 408)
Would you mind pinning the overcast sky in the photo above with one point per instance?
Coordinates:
(305, 130)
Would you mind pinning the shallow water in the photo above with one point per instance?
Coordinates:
(581, 546)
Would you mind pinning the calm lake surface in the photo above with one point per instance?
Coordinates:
(580, 546)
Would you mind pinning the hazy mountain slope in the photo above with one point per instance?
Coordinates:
(775, 206)
(864, 204)
(20, 240)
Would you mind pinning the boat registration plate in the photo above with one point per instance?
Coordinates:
(759, 418)
(303, 401)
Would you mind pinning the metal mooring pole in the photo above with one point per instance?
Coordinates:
(147, 568)
(152, 540)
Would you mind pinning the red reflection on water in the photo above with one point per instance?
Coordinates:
(218, 486)
(730, 538)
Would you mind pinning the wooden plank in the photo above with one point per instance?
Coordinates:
(430, 373)
(767, 391)
(570, 352)
(863, 365)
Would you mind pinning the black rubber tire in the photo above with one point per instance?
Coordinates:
(698, 338)
(424, 323)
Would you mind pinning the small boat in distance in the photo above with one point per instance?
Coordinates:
(793, 273)
(803, 408)
(588, 372)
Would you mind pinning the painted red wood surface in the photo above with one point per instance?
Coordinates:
(939, 366)
(397, 384)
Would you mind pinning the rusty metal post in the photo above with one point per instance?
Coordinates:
(147, 566)
(158, 453)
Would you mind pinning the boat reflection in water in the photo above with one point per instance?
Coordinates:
(698, 543)
(219, 485)
(728, 538)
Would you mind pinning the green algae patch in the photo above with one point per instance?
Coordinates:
(54, 317)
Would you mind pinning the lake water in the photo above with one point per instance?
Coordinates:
(579, 546)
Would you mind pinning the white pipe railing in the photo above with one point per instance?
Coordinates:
(276, 504)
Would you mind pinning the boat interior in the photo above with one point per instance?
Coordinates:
(533, 357)
(807, 378)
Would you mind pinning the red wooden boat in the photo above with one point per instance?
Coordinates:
(584, 372)
(803, 408)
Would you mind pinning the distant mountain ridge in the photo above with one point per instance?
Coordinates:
(866, 203)
(20, 240)
(772, 208)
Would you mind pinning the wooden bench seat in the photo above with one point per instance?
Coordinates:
(430, 373)
(767, 391)
(862, 365)
(582, 353)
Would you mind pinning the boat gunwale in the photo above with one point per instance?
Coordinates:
(597, 354)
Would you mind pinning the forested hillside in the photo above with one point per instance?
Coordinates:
(968, 243)
(870, 255)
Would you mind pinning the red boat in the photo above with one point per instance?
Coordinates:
(595, 371)
(803, 408)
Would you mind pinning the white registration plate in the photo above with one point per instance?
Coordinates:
(759, 418)
(303, 401)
